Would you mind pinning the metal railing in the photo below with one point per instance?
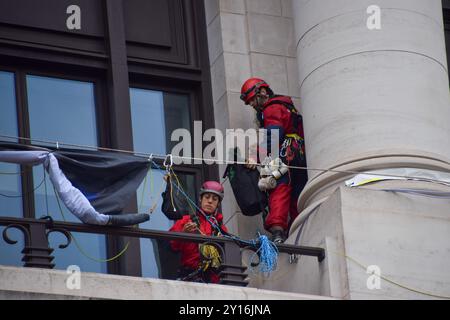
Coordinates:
(37, 252)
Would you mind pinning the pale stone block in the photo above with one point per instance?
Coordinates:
(292, 75)
(311, 13)
(297, 104)
(233, 6)
(234, 30)
(351, 108)
(396, 235)
(271, 35)
(323, 229)
(215, 44)
(286, 276)
(241, 115)
(21, 283)
(218, 78)
(334, 279)
(211, 10)
(348, 35)
(221, 113)
(272, 69)
(250, 226)
(270, 7)
(229, 206)
(237, 68)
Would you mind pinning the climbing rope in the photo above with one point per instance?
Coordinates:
(262, 245)
(80, 249)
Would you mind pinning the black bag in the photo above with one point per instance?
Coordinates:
(244, 182)
(179, 201)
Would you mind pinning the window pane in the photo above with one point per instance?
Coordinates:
(147, 116)
(10, 255)
(8, 114)
(10, 190)
(64, 111)
(157, 259)
(155, 115)
(10, 184)
(176, 110)
(88, 251)
(61, 110)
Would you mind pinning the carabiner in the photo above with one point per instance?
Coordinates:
(166, 165)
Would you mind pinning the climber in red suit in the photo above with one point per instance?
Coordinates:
(211, 194)
(276, 112)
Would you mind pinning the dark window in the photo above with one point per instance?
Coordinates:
(63, 110)
(155, 114)
(10, 186)
(72, 86)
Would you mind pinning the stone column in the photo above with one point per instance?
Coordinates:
(371, 99)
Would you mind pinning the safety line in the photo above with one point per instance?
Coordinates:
(216, 161)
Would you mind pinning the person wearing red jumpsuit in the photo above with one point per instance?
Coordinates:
(275, 112)
(211, 194)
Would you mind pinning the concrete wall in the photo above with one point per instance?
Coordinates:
(307, 275)
(374, 99)
(248, 38)
(370, 94)
(32, 283)
(406, 236)
(371, 99)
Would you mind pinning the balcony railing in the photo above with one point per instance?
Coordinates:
(37, 253)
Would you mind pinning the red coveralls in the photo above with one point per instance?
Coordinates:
(190, 255)
(283, 199)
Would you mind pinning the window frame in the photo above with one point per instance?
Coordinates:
(113, 72)
(113, 244)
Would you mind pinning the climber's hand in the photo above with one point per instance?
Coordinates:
(190, 227)
(250, 164)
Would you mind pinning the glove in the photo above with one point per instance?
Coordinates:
(250, 164)
(267, 183)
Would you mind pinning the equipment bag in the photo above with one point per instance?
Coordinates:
(244, 182)
(174, 204)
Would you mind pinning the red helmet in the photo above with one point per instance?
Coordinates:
(212, 187)
(251, 88)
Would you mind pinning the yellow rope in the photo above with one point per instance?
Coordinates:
(96, 259)
(143, 191)
(77, 244)
(143, 154)
(181, 187)
(151, 181)
(212, 256)
(152, 209)
(273, 278)
(155, 203)
(397, 283)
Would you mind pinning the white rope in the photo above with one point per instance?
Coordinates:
(164, 157)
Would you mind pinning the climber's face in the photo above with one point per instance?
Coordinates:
(209, 202)
(259, 100)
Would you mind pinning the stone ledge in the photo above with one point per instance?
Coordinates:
(34, 283)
